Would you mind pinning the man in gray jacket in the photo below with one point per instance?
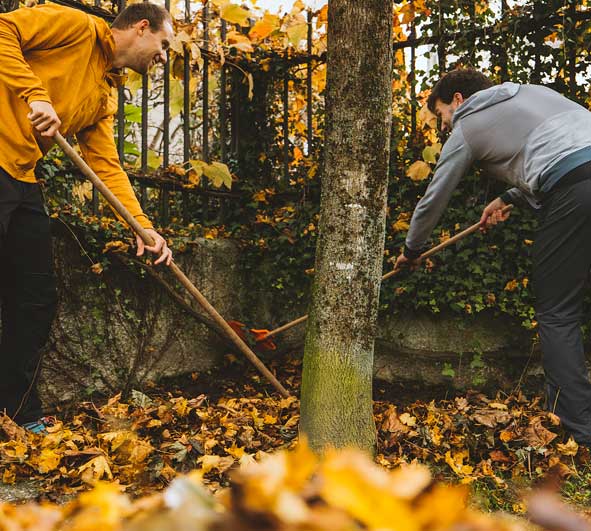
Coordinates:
(539, 142)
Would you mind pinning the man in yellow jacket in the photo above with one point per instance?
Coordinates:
(58, 67)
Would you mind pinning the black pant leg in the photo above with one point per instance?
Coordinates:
(562, 258)
(28, 304)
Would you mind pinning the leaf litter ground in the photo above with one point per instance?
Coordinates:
(493, 447)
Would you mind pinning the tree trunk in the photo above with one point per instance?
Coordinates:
(336, 401)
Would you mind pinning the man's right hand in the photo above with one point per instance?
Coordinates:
(44, 118)
(493, 214)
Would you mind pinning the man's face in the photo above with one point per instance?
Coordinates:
(149, 47)
(445, 111)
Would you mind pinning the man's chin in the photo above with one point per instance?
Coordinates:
(141, 69)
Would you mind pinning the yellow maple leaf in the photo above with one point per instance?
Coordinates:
(239, 41)
(456, 462)
(569, 448)
(322, 19)
(442, 506)
(48, 460)
(402, 223)
(102, 508)
(352, 483)
(8, 476)
(95, 469)
(297, 33)
(235, 14)
(264, 27)
(426, 117)
(511, 285)
(235, 451)
(418, 171)
(270, 419)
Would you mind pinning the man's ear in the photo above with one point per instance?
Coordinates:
(143, 25)
(458, 98)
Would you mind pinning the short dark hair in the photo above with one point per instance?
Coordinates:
(154, 14)
(466, 81)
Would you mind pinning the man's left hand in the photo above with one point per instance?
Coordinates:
(160, 248)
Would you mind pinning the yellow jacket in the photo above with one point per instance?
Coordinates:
(62, 56)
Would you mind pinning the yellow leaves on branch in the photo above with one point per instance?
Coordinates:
(418, 170)
(264, 27)
(116, 246)
(426, 117)
(402, 223)
(217, 172)
(239, 41)
(431, 152)
(235, 14)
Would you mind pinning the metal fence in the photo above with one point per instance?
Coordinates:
(225, 124)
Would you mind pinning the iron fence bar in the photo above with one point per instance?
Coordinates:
(309, 110)
(186, 106)
(286, 117)
(536, 75)
(144, 154)
(223, 117)
(235, 110)
(222, 103)
(503, 57)
(572, 50)
(166, 128)
(413, 83)
(441, 54)
(121, 109)
(205, 100)
(206, 81)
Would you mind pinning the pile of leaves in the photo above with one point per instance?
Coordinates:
(287, 491)
(498, 446)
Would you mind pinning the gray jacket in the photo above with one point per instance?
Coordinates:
(526, 135)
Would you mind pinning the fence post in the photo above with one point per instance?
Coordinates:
(286, 116)
(413, 82)
(205, 102)
(222, 103)
(121, 110)
(309, 110)
(165, 194)
(186, 109)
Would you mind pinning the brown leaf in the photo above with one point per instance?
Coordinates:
(537, 435)
(393, 425)
(12, 430)
(491, 417)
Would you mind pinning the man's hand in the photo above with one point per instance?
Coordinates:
(492, 214)
(159, 248)
(402, 262)
(44, 118)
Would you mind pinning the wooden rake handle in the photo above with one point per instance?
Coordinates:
(426, 254)
(183, 279)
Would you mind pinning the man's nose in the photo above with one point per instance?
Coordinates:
(163, 56)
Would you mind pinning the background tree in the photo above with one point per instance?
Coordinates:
(336, 404)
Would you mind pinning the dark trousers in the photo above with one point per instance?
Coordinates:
(27, 294)
(562, 261)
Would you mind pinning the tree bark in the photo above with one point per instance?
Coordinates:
(336, 398)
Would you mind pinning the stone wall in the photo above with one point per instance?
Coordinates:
(117, 331)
